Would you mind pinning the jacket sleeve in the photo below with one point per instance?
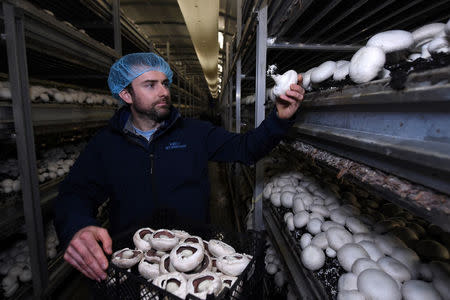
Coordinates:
(247, 148)
(80, 194)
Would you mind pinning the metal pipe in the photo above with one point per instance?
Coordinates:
(18, 76)
(117, 28)
(322, 47)
(260, 95)
(238, 68)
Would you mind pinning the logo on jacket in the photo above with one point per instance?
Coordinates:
(175, 145)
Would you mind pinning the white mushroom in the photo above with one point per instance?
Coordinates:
(427, 31)
(314, 226)
(377, 285)
(438, 45)
(366, 63)
(363, 264)
(283, 82)
(350, 295)
(339, 216)
(349, 253)
(372, 249)
(301, 219)
(338, 237)
(347, 282)
(330, 252)
(323, 72)
(392, 40)
(409, 258)
(286, 199)
(342, 69)
(394, 268)
(320, 240)
(419, 290)
(275, 199)
(313, 257)
(329, 224)
(305, 240)
(306, 82)
(355, 225)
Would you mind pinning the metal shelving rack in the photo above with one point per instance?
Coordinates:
(401, 134)
(43, 47)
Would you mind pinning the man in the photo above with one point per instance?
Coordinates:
(150, 160)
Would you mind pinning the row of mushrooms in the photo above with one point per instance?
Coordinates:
(42, 94)
(54, 163)
(385, 251)
(15, 261)
(180, 263)
(369, 61)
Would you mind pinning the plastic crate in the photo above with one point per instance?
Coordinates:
(129, 284)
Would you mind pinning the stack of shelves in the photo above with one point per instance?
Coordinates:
(392, 143)
(61, 46)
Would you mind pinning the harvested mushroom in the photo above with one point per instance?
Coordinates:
(349, 253)
(394, 268)
(141, 239)
(149, 267)
(126, 258)
(173, 283)
(283, 82)
(163, 240)
(323, 72)
(204, 284)
(233, 264)
(186, 257)
(219, 248)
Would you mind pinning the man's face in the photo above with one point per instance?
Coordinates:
(151, 96)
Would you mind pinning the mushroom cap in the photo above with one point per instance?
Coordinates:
(301, 218)
(418, 290)
(427, 31)
(233, 264)
(306, 82)
(350, 295)
(362, 264)
(355, 225)
(320, 240)
(342, 69)
(407, 257)
(218, 248)
(394, 268)
(372, 249)
(349, 253)
(366, 63)
(141, 239)
(323, 72)
(432, 250)
(392, 40)
(377, 285)
(166, 282)
(314, 226)
(347, 282)
(313, 257)
(338, 237)
(283, 82)
(186, 260)
(437, 45)
(305, 240)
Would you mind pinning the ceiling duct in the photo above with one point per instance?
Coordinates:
(202, 19)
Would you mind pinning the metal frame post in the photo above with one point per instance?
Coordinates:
(225, 89)
(260, 93)
(179, 92)
(18, 76)
(238, 68)
(117, 27)
(230, 95)
(185, 91)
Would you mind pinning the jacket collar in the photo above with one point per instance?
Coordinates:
(118, 122)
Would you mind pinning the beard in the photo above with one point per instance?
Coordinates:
(158, 112)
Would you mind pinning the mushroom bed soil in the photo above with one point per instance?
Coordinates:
(329, 274)
(399, 72)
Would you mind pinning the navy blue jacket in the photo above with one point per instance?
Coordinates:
(169, 173)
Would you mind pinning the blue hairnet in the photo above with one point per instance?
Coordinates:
(131, 66)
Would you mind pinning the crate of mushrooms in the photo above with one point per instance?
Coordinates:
(175, 264)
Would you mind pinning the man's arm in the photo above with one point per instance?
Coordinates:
(75, 208)
(255, 144)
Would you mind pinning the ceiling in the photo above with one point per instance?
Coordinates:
(165, 25)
